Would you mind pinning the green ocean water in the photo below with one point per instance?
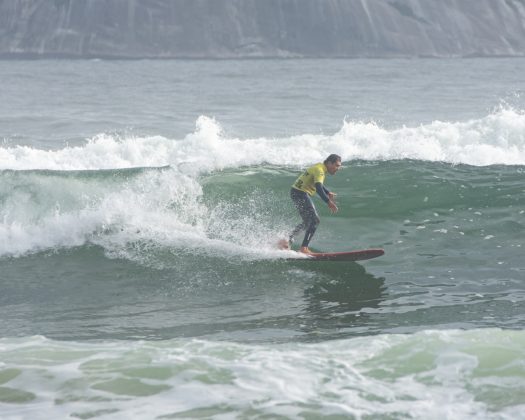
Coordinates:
(139, 274)
(452, 237)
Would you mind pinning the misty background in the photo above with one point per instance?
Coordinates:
(261, 28)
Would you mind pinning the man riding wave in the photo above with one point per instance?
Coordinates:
(310, 182)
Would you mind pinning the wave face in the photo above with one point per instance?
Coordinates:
(184, 244)
(450, 374)
(88, 194)
(214, 194)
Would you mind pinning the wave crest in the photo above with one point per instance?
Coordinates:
(498, 138)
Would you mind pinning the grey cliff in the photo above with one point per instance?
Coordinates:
(261, 28)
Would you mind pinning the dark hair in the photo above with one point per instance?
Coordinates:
(332, 159)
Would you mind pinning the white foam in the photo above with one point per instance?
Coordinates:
(160, 209)
(498, 138)
(451, 374)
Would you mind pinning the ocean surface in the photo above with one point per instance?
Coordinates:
(141, 203)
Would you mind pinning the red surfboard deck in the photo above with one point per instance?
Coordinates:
(364, 254)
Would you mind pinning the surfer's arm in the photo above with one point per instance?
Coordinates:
(331, 195)
(327, 198)
(327, 192)
(322, 191)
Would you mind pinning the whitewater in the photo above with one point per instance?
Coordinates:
(495, 139)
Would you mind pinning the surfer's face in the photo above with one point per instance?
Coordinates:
(333, 167)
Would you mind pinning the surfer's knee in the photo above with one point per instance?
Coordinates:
(314, 222)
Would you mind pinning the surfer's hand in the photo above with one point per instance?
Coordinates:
(331, 196)
(333, 207)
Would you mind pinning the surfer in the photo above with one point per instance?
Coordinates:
(308, 183)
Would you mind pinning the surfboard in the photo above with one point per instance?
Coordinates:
(363, 254)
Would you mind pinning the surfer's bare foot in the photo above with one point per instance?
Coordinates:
(283, 244)
(305, 250)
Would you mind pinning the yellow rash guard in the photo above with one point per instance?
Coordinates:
(307, 180)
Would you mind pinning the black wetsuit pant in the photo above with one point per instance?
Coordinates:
(304, 205)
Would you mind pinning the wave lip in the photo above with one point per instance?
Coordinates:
(498, 138)
(475, 374)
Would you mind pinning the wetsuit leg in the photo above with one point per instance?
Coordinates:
(304, 205)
